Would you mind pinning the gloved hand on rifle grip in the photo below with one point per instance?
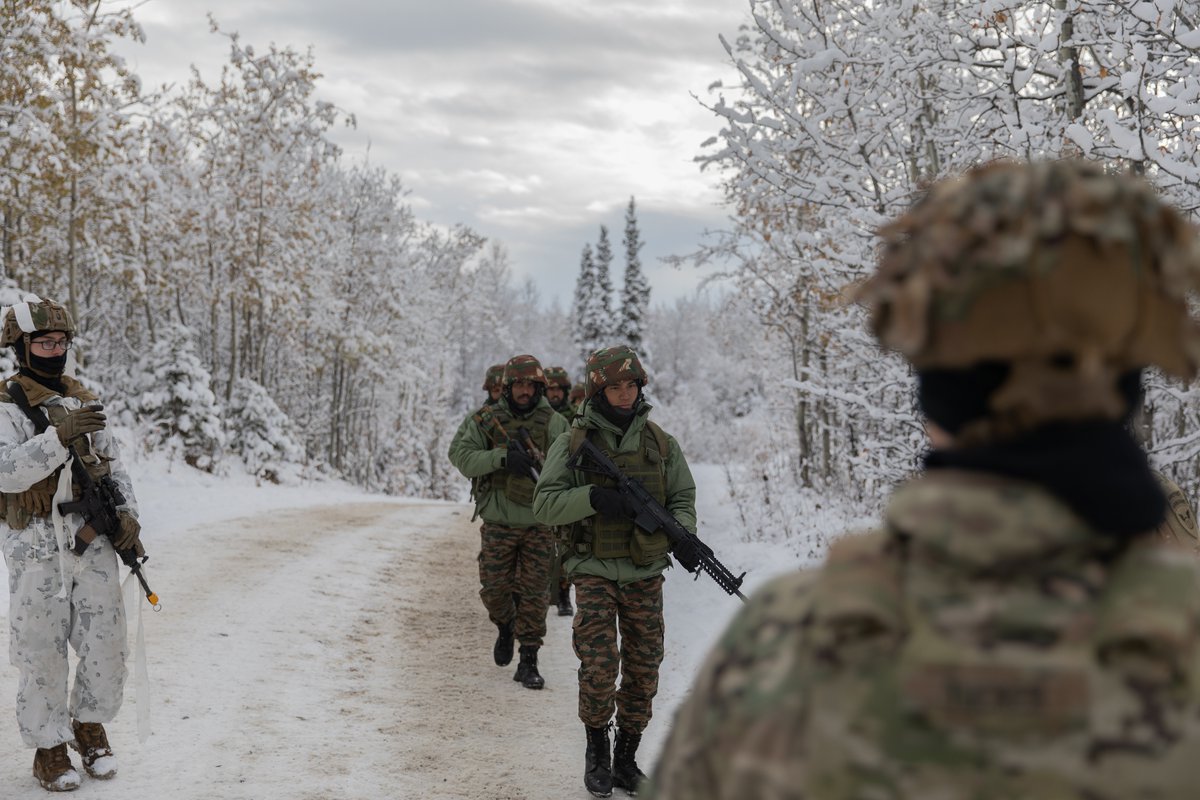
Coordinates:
(128, 535)
(610, 502)
(687, 554)
(80, 422)
(517, 463)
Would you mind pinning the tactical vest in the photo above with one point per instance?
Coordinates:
(36, 501)
(618, 537)
(1011, 679)
(493, 419)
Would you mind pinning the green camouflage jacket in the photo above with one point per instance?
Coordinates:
(562, 493)
(986, 645)
(472, 454)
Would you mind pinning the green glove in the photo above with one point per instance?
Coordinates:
(127, 536)
(80, 422)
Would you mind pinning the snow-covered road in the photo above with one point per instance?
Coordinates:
(319, 643)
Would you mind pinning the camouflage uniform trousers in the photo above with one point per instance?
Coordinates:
(514, 573)
(636, 610)
(90, 617)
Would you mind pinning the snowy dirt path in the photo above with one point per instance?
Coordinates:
(331, 652)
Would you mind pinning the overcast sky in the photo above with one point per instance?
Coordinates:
(531, 121)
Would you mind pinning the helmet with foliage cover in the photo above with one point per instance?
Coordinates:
(612, 365)
(33, 315)
(494, 378)
(558, 376)
(524, 368)
(1069, 275)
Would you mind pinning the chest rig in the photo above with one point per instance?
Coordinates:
(618, 537)
(499, 426)
(19, 508)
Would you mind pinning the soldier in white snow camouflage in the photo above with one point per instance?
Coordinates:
(58, 598)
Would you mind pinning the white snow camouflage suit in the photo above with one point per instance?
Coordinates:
(43, 618)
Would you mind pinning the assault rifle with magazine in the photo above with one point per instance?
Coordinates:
(651, 516)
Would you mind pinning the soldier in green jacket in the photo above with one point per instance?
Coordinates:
(558, 385)
(1016, 628)
(616, 567)
(515, 552)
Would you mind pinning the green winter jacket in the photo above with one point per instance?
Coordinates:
(472, 454)
(562, 495)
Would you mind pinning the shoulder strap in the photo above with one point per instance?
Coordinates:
(660, 437)
(577, 437)
(16, 393)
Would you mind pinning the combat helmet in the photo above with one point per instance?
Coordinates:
(558, 376)
(612, 365)
(523, 368)
(494, 378)
(1070, 276)
(33, 315)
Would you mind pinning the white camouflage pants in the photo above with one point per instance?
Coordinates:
(91, 617)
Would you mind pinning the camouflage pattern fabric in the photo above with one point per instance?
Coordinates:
(494, 378)
(524, 368)
(613, 365)
(1180, 524)
(986, 644)
(605, 608)
(33, 314)
(513, 568)
(558, 376)
(89, 615)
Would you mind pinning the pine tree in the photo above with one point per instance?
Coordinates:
(604, 287)
(635, 295)
(587, 313)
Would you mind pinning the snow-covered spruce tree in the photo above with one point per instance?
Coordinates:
(259, 433)
(635, 293)
(588, 323)
(604, 287)
(173, 402)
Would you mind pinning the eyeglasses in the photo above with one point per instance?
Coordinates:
(50, 345)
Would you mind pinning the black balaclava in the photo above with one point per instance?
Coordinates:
(1094, 466)
(45, 371)
(538, 391)
(617, 416)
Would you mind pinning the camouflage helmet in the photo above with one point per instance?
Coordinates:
(611, 365)
(577, 393)
(558, 376)
(523, 368)
(1070, 275)
(33, 315)
(494, 378)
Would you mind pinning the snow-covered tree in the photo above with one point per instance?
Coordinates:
(635, 293)
(259, 433)
(589, 323)
(174, 403)
(604, 286)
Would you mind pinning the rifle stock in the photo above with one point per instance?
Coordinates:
(652, 516)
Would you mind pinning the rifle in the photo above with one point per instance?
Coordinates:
(652, 516)
(500, 436)
(98, 499)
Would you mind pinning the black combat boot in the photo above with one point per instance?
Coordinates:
(503, 650)
(597, 763)
(625, 772)
(527, 671)
(564, 600)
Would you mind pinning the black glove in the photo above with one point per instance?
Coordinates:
(610, 502)
(518, 463)
(687, 554)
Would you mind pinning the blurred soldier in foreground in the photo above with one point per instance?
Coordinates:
(497, 447)
(616, 566)
(1180, 523)
(1016, 628)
